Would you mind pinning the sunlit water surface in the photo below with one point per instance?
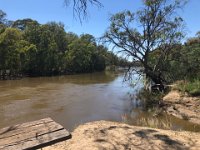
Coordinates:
(75, 99)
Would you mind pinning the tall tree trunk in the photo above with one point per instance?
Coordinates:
(156, 78)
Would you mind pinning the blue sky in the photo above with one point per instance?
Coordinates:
(98, 20)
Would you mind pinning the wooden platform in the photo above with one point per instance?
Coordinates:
(32, 135)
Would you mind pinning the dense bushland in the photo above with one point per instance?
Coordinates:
(30, 48)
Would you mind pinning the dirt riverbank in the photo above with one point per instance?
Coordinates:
(182, 106)
(107, 135)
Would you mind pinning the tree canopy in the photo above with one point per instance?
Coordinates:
(156, 27)
(30, 48)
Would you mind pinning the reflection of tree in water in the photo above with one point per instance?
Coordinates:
(91, 78)
(144, 111)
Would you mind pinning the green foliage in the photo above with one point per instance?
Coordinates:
(9, 52)
(14, 51)
(191, 87)
(155, 28)
(79, 56)
(84, 55)
(183, 62)
(24, 23)
(34, 49)
(150, 99)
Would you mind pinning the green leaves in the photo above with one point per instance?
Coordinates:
(9, 49)
(46, 49)
(84, 55)
(155, 27)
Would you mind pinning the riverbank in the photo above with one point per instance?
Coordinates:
(182, 106)
(112, 135)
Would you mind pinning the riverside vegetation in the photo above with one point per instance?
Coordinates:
(156, 43)
(30, 48)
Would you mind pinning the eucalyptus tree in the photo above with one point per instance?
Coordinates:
(81, 55)
(8, 55)
(156, 27)
(51, 44)
(22, 24)
(13, 51)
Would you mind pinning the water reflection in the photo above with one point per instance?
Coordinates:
(71, 100)
(156, 118)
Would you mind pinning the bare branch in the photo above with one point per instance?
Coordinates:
(159, 30)
(80, 7)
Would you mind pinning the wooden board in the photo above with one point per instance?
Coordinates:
(32, 135)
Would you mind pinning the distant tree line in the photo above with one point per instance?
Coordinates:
(30, 48)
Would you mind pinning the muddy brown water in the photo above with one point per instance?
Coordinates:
(75, 99)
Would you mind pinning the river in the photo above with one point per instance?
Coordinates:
(75, 99)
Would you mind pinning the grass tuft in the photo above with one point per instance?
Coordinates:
(190, 87)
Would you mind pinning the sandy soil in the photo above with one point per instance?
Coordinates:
(183, 106)
(104, 135)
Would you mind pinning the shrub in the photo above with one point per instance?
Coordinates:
(191, 87)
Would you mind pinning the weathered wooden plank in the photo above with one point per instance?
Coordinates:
(40, 141)
(21, 126)
(34, 134)
(31, 132)
(26, 127)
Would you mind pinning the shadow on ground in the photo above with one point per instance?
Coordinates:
(106, 135)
